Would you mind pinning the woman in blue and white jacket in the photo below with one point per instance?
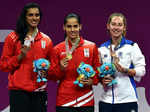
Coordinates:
(130, 64)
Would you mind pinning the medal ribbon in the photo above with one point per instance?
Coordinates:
(70, 51)
(112, 53)
(34, 35)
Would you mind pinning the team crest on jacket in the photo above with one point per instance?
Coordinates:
(43, 44)
(105, 55)
(86, 52)
(120, 54)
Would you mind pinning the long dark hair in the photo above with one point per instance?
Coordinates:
(21, 26)
(72, 15)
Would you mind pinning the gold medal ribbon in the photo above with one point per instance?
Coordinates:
(70, 51)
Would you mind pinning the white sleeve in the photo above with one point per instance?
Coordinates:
(138, 61)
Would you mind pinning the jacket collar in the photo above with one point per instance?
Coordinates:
(122, 43)
(38, 36)
(80, 43)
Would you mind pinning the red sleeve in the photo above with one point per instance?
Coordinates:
(96, 63)
(8, 61)
(55, 73)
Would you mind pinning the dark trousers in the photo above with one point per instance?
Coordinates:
(123, 107)
(75, 109)
(22, 101)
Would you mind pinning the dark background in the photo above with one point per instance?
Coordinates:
(94, 15)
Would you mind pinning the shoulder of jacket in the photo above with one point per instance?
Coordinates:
(60, 45)
(12, 36)
(105, 44)
(130, 42)
(86, 42)
(45, 36)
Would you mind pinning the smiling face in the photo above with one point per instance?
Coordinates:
(33, 17)
(72, 28)
(116, 27)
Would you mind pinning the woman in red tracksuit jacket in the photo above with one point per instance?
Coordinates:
(69, 54)
(25, 94)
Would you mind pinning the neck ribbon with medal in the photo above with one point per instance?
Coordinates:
(114, 57)
(74, 46)
(31, 38)
(110, 68)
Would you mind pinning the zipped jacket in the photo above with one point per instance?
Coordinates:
(130, 56)
(21, 75)
(69, 94)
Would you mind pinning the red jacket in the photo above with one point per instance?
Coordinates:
(69, 94)
(21, 75)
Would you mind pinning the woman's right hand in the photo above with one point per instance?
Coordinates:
(23, 53)
(106, 80)
(25, 49)
(64, 63)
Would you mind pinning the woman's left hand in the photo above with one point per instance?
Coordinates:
(121, 69)
(86, 81)
(43, 73)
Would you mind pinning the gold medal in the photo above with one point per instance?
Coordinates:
(69, 56)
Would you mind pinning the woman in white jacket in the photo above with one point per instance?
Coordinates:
(129, 63)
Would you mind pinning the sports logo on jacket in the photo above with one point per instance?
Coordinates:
(86, 52)
(120, 54)
(43, 44)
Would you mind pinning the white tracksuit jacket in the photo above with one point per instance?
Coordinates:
(130, 56)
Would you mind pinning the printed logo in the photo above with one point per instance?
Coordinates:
(86, 52)
(43, 44)
(120, 54)
(105, 55)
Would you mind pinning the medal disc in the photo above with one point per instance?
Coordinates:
(69, 56)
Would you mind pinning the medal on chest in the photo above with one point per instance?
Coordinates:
(30, 38)
(86, 52)
(69, 56)
(70, 51)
